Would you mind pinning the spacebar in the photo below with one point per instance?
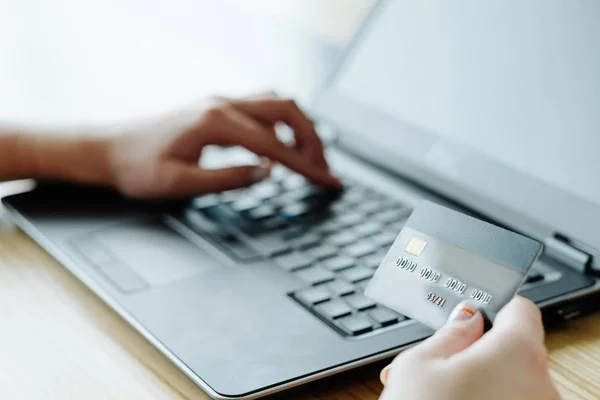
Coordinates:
(268, 244)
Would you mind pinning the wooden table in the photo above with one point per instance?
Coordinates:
(57, 339)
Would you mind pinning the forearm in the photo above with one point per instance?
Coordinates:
(65, 156)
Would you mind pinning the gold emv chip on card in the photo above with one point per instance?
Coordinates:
(416, 246)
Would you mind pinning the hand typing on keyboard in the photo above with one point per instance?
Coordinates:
(162, 160)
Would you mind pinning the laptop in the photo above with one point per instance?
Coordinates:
(487, 107)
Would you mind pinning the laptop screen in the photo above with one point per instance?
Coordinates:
(513, 82)
(516, 80)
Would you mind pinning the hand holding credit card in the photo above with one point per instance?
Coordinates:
(442, 257)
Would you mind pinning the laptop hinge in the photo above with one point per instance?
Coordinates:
(561, 249)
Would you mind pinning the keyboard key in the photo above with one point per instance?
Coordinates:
(295, 210)
(359, 302)
(370, 207)
(368, 229)
(333, 309)
(306, 193)
(343, 239)
(391, 216)
(221, 213)
(328, 227)
(396, 226)
(339, 263)
(269, 244)
(354, 195)
(312, 296)
(231, 195)
(356, 324)
(384, 239)
(361, 249)
(266, 190)
(357, 274)
(219, 233)
(283, 199)
(245, 204)
(378, 196)
(272, 224)
(383, 316)
(294, 261)
(373, 260)
(338, 207)
(293, 181)
(534, 277)
(205, 201)
(307, 241)
(279, 173)
(350, 219)
(294, 231)
(341, 288)
(362, 286)
(262, 212)
(396, 205)
(322, 252)
(315, 275)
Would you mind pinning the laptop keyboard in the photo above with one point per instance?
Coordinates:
(331, 240)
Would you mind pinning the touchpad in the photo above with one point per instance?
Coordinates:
(148, 251)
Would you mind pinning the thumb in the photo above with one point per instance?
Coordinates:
(464, 327)
(191, 180)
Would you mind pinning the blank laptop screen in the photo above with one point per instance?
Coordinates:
(518, 81)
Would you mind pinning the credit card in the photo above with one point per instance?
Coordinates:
(442, 257)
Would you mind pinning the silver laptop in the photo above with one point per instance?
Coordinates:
(488, 107)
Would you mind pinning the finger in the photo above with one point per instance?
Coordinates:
(385, 372)
(464, 327)
(312, 150)
(553, 393)
(517, 329)
(232, 127)
(270, 94)
(274, 109)
(520, 316)
(184, 180)
(270, 127)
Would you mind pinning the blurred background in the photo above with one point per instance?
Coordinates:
(97, 61)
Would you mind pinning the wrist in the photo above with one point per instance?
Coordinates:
(78, 159)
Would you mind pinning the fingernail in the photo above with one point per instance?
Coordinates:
(383, 375)
(265, 163)
(464, 311)
(259, 173)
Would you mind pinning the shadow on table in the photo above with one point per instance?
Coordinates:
(360, 383)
